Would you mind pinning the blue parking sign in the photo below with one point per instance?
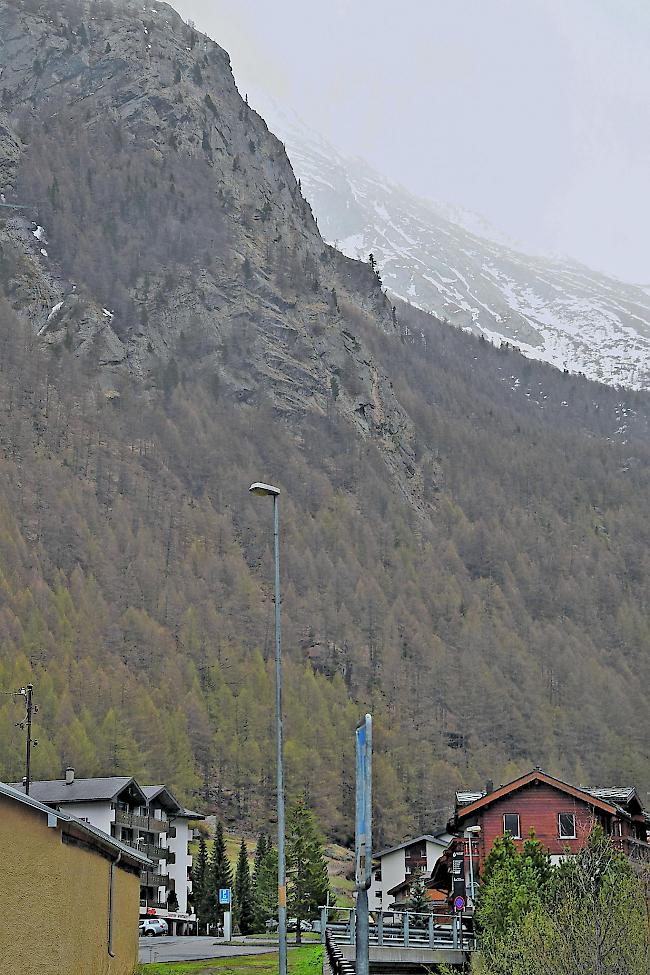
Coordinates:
(224, 896)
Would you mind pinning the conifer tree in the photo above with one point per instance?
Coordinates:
(418, 901)
(266, 889)
(262, 848)
(199, 877)
(307, 867)
(219, 876)
(244, 907)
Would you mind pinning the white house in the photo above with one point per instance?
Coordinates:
(398, 864)
(146, 818)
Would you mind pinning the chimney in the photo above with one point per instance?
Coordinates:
(489, 787)
(69, 776)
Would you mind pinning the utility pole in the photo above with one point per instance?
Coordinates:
(26, 725)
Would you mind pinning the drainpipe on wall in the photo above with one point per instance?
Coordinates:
(111, 897)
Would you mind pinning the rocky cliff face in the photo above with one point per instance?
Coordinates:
(118, 118)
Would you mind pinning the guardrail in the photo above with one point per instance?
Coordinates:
(401, 929)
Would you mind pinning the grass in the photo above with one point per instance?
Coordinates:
(302, 961)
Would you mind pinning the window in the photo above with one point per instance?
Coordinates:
(511, 825)
(567, 826)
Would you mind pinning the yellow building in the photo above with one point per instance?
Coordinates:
(69, 893)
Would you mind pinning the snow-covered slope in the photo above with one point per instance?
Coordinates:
(452, 263)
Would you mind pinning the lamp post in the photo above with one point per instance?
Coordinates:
(268, 490)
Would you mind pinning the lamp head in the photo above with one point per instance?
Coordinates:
(264, 489)
(473, 829)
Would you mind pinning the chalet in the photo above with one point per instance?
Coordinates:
(561, 815)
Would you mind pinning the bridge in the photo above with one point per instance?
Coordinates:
(398, 940)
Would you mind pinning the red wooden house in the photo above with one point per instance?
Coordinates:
(561, 815)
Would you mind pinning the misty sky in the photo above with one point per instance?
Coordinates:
(535, 113)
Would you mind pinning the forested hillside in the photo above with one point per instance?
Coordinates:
(465, 532)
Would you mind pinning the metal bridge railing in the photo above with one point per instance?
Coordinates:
(403, 929)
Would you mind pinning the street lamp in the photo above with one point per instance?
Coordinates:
(470, 832)
(267, 490)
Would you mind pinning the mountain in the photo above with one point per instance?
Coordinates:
(464, 530)
(452, 263)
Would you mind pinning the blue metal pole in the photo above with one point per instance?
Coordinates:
(282, 879)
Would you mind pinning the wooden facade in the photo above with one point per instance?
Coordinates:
(561, 816)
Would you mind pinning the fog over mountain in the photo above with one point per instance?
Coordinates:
(451, 262)
(533, 114)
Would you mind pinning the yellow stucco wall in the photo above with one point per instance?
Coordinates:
(54, 902)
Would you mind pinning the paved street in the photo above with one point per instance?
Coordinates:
(193, 949)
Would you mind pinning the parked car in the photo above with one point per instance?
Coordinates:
(153, 927)
(292, 924)
(272, 924)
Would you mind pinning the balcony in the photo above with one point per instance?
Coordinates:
(152, 851)
(149, 823)
(148, 878)
(635, 850)
(157, 852)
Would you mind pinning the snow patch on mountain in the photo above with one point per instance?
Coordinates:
(451, 262)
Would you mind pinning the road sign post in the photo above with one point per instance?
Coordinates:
(225, 900)
(363, 841)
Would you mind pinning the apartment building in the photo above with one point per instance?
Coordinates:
(398, 865)
(146, 818)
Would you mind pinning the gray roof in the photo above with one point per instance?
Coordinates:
(416, 839)
(164, 796)
(55, 791)
(101, 838)
(615, 794)
(180, 812)
(190, 814)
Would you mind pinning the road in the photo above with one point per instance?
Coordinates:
(194, 949)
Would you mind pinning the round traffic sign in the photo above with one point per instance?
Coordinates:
(459, 903)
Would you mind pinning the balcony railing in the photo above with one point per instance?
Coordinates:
(148, 878)
(148, 823)
(152, 851)
(157, 852)
(634, 849)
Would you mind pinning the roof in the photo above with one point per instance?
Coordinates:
(55, 791)
(537, 775)
(615, 794)
(430, 838)
(403, 886)
(97, 836)
(163, 795)
(180, 812)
